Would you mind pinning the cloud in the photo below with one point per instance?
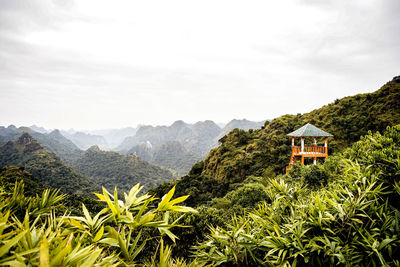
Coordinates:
(102, 64)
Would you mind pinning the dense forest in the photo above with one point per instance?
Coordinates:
(172, 155)
(239, 208)
(110, 169)
(265, 152)
(45, 166)
(53, 141)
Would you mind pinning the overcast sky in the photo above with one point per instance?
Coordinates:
(100, 64)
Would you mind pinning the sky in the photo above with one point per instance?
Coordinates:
(92, 64)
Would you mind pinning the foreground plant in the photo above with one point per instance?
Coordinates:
(354, 220)
(110, 238)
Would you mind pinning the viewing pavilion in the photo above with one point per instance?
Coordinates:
(302, 151)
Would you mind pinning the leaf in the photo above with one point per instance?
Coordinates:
(6, 247)
(44, 257)
(87, 215)
(165, 199)
(92, 258)
(99, 234)
(55, 261)
(76, 224)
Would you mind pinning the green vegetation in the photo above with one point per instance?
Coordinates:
(343, 212)
(353, 220)
(110, 169)
(54, 141)
(265, 152)
(112, 237)
(45, 166)
(171, 155)
(350, 217)
(243, 159)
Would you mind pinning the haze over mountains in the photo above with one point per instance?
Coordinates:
(175, 148)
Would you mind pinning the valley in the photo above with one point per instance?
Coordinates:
(229, 192)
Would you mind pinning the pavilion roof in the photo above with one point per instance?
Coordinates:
(309, 130)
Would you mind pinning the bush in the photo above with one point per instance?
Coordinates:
(351, 221)
(248, 195)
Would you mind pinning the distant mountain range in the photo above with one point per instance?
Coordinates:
(53, 141)
(180, 145)
(85, 140)
(89, 171)
(197, 137)
(176, 147)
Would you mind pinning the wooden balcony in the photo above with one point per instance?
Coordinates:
(310, 151)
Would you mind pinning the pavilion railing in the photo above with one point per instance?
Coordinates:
(309, 150)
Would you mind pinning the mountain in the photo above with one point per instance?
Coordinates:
(240, 124)
(198, 137)
(38, 129)
(265, 152)
(58, 144)
(143, 150)
(44, 165)
(53, 141)
(8, 133)
(172, 155)
(114, 137)
(85, 140)
(111, 169)
(204, 132)
(260, 152)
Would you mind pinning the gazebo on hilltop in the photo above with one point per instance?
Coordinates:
(302, 151)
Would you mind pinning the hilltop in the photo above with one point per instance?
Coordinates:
(265, 152)
(45, 166)
(53, 141)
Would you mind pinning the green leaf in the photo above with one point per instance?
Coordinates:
(6, 247)
(44, 257)
(99, 234)
(166, 198)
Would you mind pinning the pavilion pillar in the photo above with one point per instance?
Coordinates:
(302, 144)
(326, 145)
(292, 141)
(315, 160)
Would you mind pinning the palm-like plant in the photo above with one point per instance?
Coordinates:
(354, 220)
(111, 237)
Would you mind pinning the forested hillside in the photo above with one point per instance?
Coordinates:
(171, 155)
(110, 169)
(53, 141)
(265, 152)
(344, 212)
(239, 124)
(45, 166)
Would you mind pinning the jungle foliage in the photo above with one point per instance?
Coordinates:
(349, 215)
(266, 152)
(45, 166)
(352, 220)
(109, 169)
(112, 237)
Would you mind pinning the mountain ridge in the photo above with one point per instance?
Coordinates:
(45, 166)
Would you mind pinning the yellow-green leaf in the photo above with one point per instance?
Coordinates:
(44, 257)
